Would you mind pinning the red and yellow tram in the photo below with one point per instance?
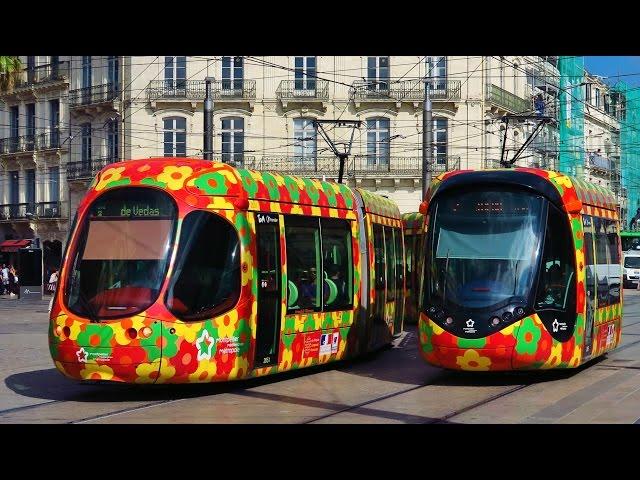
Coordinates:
(522, 270)
(183, 270)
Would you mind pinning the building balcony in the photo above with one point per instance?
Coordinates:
(507, 101)
(297, 91)
(194, 91)
(42, 77)
(30, 143)
(356, 166)
(599, 165)
(96, 96)
(412, 91)
(87, 170)
(31, 211)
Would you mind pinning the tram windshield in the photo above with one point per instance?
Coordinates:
(484, 248)
(122, 253)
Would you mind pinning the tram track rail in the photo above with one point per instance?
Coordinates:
(351, 408)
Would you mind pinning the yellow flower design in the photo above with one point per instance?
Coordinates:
(167, 371)
(206, 370)
(229, 176)
(108, 176)
(137, 322)
(472, 360)
(144, 168)
(240, 368)
(94, 371)
(227, 324)
(564, 181)
(279, 179)
(555, 357)
(436, 329)
(174, 176)
(296, 209)
(62, 320)
(580, 259)
(147, 372)
(248, 260)
(287, 360)
(507, 331)
(188, 331)
(220, 203)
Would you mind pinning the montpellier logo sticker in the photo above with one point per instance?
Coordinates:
(204, 345)
(82, 355)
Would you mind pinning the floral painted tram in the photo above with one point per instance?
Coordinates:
(413, 225)
(183, 270)
(522, 270)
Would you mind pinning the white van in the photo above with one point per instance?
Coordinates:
(631, 265)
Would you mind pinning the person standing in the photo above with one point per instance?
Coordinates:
(4, 280)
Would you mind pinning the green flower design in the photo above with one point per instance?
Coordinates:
(312, 191)
(309, 324)
(576, 227)
(102, 332)
(330, 193)
(212, 183)
(289, 326)
(156, 333)
(170, 345)
(327, 321)
(472, 342)
(287, 340)
(292, 186)
(427, 347)
(528, 336)
(272, 186)
(346, 193)
(241, 223)
(117, 183)
(153, 182)
(249, 183)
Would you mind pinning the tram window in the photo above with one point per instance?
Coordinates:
(605, 283)
(390, 261)
(337, 264)
(556, 286)
(408, 251)
(589, 258)
(379, 284)
(304, 261)
(206, 279)
(397, 239)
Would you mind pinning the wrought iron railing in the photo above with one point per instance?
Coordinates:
(376, 165)
(308, 89)
(49, 209)
(407, 90)
(51, 72)
(196, 90)
(30, 143)
(507, 100)
(31, 210)
(88, 169)
(95, 94)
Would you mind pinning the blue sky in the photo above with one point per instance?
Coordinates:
(612, 66)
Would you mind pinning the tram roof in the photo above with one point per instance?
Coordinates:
(203, 177)
(568, 187)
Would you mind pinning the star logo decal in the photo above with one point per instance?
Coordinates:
(555, 324)
(204, 345)
(470, 323)
(82, 355)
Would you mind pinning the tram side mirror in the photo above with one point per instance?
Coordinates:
(424, 206)
(574, 206)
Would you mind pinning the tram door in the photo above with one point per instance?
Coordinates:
(590, 283)
(269, 292)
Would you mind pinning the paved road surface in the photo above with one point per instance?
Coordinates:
(390, 386)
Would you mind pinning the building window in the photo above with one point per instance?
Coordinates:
(232, 74)
(54, 184)
(175, 137)
(587, 93)
(305, 146)
(114, 72)
(54, 123)
(305, 73)
(232, 139)
(30, 185)
(14, 187)
(31, 125)
(437, 70)
(378, 73)
(378, 147)
(86, 143)
(86, 71)
(112, 140)
(14, 126)
(31, 69)
(175, 73)
(597, 98)
(440, 140)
